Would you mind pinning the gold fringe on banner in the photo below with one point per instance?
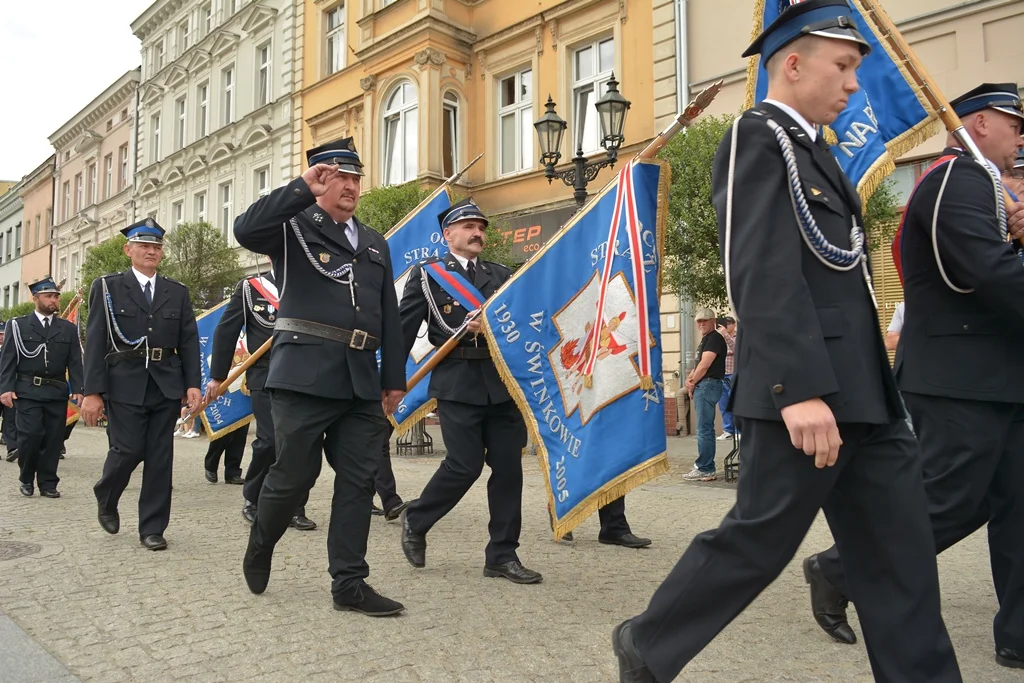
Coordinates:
(639, 474)
(830, 135)
(588, 381)
(227, 430)
(75, 417)
(895, 148)
(755, 61)
(415, 417)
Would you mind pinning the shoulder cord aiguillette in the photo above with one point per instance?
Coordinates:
(23, 352)
(114, 328)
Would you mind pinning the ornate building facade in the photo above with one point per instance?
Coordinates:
(37, 210)
(95, 156)
(215, 121)
(11, 221)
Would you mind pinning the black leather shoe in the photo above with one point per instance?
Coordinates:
(110, 521)
(376, 511)
(26, 490)
(249, 512)
(828, 605)
(256, 567)
(631, 668)
(414, 546)
(365, 600)
(211, 477)
(153, 542)
(626, 541)
(302, 523)
(49, 493)
(12, 455)
(233, 479)
(514, 571)
(1006, 656)
(395, 512)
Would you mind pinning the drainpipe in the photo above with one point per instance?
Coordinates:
(686, 340)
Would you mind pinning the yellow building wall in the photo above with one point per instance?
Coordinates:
(446, 45)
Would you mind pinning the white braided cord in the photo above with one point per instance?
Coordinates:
(20, 347)
(431, 304)
(247, 295)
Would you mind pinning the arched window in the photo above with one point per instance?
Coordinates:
(401, 141)
(450, 133)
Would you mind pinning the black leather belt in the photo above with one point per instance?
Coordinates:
(470, 352)
(39, 381)
(354, 339)
(155, 355)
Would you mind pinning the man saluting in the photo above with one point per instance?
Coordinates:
(337, 307)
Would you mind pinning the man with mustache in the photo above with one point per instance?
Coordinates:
(44, 351)
(337, 307)
(141, 360)
(480, 423)
(823, 427)
(960, 271)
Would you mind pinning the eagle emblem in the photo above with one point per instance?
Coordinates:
(325, 257)
(447, 309)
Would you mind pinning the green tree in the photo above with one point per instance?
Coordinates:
(693, 264)
(198, 255)
(24, 308)
(383, 207)
(103, 259)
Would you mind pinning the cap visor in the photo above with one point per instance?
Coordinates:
(843, 33)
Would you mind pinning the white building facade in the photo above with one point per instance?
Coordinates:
(95, 160)
(214, 119)
(11, 213)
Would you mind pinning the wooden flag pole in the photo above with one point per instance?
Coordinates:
(923, 79)
(685, 119)
(232, 376)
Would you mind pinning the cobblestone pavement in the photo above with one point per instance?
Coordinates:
(112, 611)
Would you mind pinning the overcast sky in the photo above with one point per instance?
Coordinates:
(57, 56)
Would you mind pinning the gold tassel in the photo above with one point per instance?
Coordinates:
(415, 417)
(588, 381)
(227, 430)
(646, 383)
(830, 135)
(884, 165)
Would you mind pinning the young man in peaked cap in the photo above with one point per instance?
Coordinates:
(822, 424)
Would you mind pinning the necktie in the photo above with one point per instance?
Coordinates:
(46, 325)
(471, 271)
(148, 291)
(352, 234)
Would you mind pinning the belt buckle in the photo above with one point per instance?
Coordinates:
(37, 381)
(156, 355)
(361, 337)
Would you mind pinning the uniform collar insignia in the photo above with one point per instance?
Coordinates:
(318, 217)
(815, 191)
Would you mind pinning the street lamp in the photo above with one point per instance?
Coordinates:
(611, 112)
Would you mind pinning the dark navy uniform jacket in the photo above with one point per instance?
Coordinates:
(239, 314)
(311, 364)
(63, 355)
(170, 326)
(472, 380)
(806, 330)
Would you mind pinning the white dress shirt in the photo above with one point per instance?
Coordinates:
(44, 318)
(464, 262)
(143, 280)
(796, 116)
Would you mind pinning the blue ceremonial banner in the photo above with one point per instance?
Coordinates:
(417, 237)
(886, 118)
(599, 427)
(232, 409)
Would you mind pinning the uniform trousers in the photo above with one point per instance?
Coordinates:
(40, 425)
(384, 481)
(973, 474)
(10, 427)
(232, 447)
(474, 435)
(874, 501)
(349, 432)
(263, 453)
(613, 519)
(141, 434)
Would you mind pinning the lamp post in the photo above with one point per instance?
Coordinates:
(611, 113)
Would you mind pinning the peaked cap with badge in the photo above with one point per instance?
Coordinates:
(341, 153)
(999, 96)
(825, 18)
(463, 210)
(147, 231)
(44, 285)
